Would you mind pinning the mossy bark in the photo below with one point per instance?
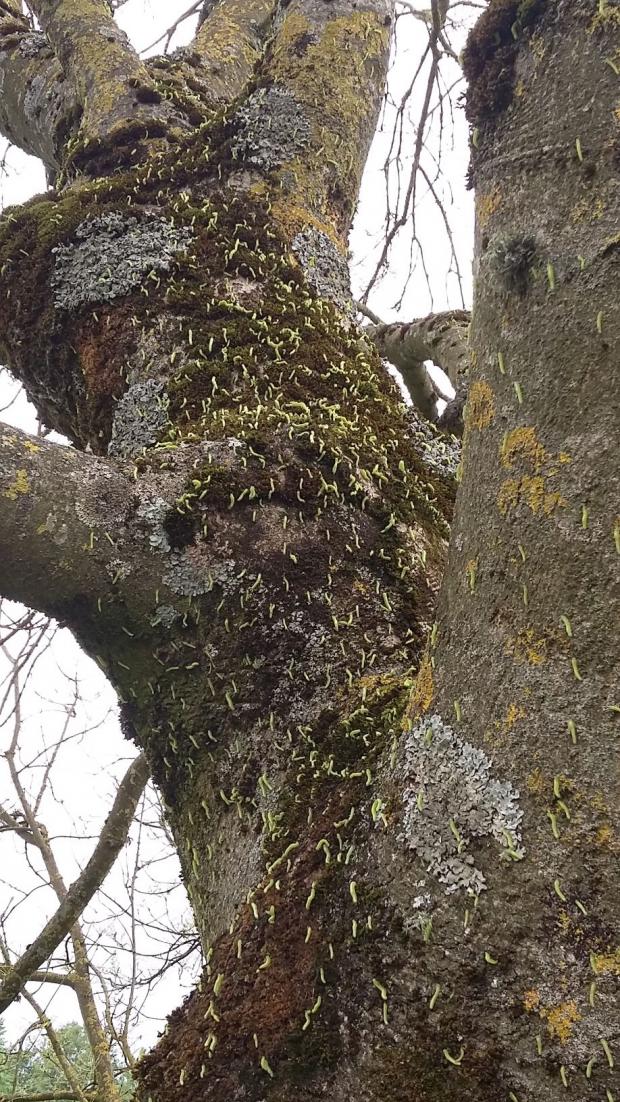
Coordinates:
(366, 838)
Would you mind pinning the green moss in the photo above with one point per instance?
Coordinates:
(490, 55)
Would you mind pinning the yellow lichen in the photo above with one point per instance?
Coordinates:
(606, 962)
(422, 691)
(486, 205)
(606, 838)
(471, 569)
(587, 211)
(561, 1019)
(19, 485)
(531, 1000)
(513, 714)
(606, 17)
(526, 648)
(536, 782)
(531, 492)
(480, 409)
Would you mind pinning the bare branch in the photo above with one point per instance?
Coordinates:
(441, 338)
(112, 839)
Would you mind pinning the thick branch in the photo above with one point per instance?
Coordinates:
(442, 339)
(37, 105)
(111, 841)
(111, 82)
(49, 496)
(329, 60)
(230, 42)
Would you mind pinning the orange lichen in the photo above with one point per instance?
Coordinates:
(522, 445)
(480, 409)
(561, 1019)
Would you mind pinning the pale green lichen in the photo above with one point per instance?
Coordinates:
(451, 798)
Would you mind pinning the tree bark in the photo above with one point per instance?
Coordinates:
(397, 841)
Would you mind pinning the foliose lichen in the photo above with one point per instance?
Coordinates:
(325, 268)
(111, 255)
(140, 417)
(30, 45)
(451, 798)
(271, 128)
(190, 574)
(442, 453)
(511, 260)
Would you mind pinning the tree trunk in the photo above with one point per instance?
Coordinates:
(400, 859)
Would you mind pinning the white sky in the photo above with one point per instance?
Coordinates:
(90, 765)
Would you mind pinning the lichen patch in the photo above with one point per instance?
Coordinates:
(111, 255)
(450, 799)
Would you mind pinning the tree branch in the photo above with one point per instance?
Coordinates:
(441, 338)
(111, 841)
(330, 61)
(50, 496)
(112, 84)
(230, 41)
(49, 1096)
(38, 107)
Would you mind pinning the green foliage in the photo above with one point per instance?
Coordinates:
(36, 1070)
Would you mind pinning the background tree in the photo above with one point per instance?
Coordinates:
(109, 959)
(397, 838)
(39, 1072)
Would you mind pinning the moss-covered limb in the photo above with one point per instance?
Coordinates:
(38, 107)
(329, 61)
(536, 545)
(111, 840)
(490, 57)
(230, 43)
(440, 338)
(112, 85)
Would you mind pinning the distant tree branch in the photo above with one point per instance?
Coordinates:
(111, 841)
(440, 338)
(50, 1096)
(73, 1081)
